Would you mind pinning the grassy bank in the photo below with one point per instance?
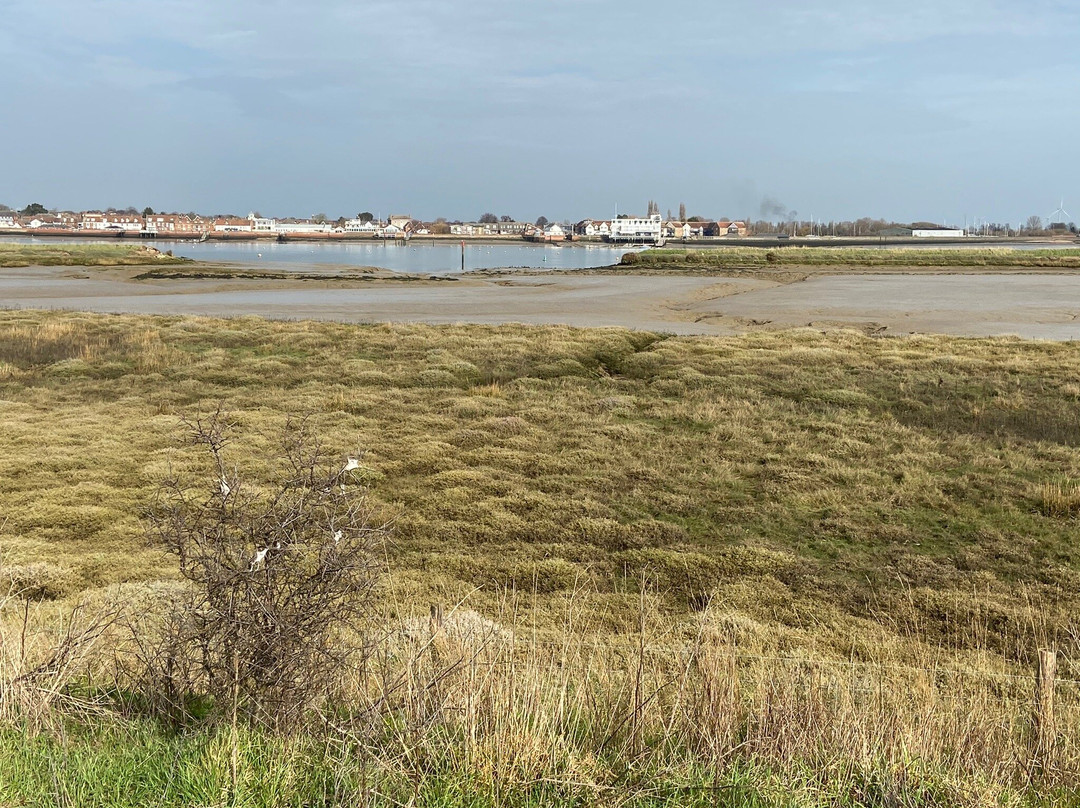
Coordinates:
(759, 257)
(79, 255)
(817, 565)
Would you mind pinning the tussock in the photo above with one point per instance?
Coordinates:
(847, 550)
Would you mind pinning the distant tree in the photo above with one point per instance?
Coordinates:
(4, 208)
(488, 218)
(319, 218)
(365, 217)
(340, 221)
(148, 211)
(506, 218)
(440, 227)
(1034, 224)
(33, 209)
(131, 210)
(669, 214)
(696, 219)
(682, 211)
(542, 221)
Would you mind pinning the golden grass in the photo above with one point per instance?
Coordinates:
(494, 709)
(778, 546)
(68, 254)
(838, 486)
(902, 257)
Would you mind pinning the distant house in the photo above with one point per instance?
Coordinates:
(554, 232)
(938, 232)
(689, 230)
(593, 227)
(46, 220)
(473, 229)
(225, 224)
(172, 223)
(401, 221)
(732, 228)
(302, 226)
(357, 226)
(121, 222)
(9, 220)
(260, 224)
(512, 228)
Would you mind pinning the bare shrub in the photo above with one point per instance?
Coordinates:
(40, 663)
(281, 581)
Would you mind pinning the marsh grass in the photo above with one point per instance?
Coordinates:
(803, 564)
(753, 257)
(475, 711)
(67, 254)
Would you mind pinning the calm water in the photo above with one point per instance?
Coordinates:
(424, 258)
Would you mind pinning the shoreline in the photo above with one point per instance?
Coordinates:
(706, 243)
(1035, 303)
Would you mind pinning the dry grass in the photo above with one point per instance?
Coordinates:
(834, 485)
(67, 254)
(848, 549)
(759, 257)
(484, 709)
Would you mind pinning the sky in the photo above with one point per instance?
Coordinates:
(937, 110)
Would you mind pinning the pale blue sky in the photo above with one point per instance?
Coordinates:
(921, 110)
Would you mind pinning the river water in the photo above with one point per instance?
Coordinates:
(439, 258)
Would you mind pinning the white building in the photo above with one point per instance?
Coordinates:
(9, 220)
(230, 225)
(357, 226)
(260, 224)
(594, 227)
(127, 222)
(303, 227)
(645, 230)
(554, 232)
(935, 233)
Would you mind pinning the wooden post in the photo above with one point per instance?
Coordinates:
(1045, 724)
(462, 255)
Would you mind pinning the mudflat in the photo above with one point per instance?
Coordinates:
(1043, 305)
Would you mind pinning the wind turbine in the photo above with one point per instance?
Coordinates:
(1062, 211)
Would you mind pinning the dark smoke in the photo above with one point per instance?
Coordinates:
(772, 210)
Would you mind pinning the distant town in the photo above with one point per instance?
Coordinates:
(653, 228)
